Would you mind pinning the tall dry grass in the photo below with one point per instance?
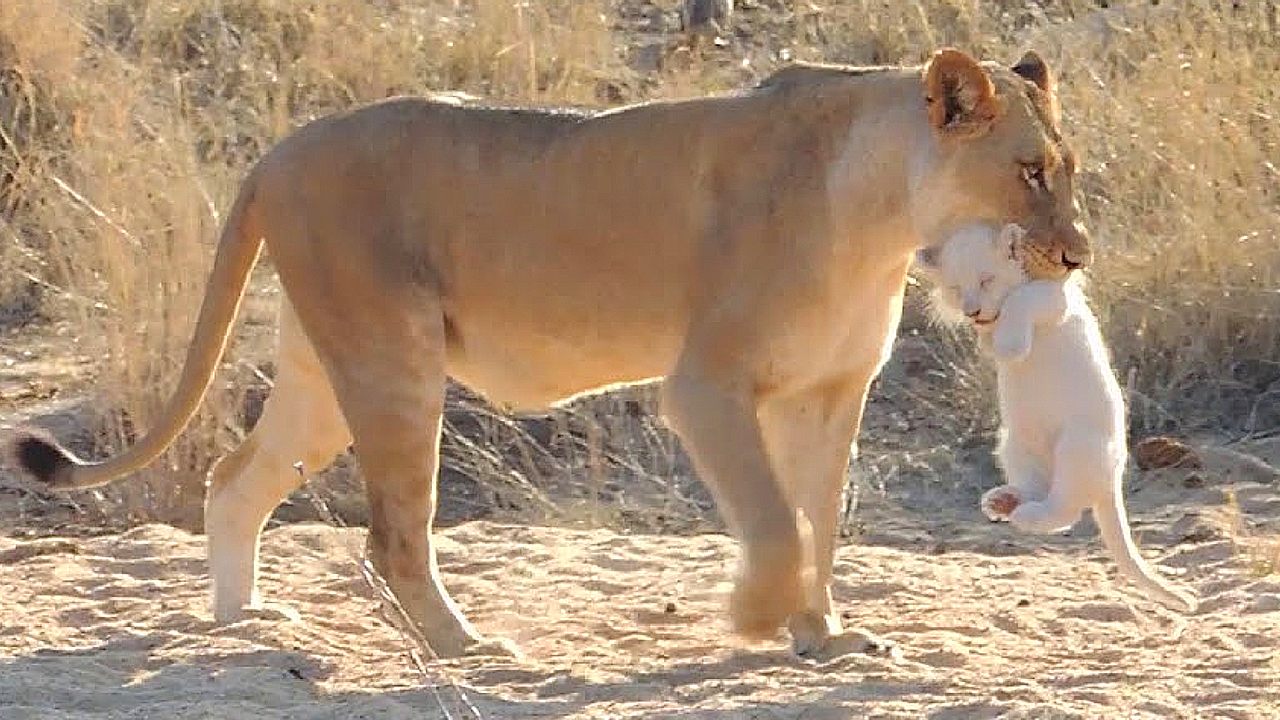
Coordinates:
(126, 124)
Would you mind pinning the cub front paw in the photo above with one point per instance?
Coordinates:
(1010, 346)
(999, 503)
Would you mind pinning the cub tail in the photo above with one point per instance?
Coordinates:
(1113, 525)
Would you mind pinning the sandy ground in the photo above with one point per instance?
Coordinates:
(989, 623)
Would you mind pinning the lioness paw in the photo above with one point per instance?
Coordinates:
(999, 503)
(266, 612)
(758, 609)
(495, 647)
(849, 641)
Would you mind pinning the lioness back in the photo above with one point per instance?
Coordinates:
(529, 201)
(641, 211)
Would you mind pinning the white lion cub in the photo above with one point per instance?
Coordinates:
(1062, 442)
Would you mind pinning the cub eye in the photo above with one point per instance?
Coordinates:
(985, 283)
(1033, 176)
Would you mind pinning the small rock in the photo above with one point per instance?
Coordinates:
(1165, 452)
(669, 608)
(699, 14)
(1195, 528)
(39, 548)
(1269, 602)
(646, 59)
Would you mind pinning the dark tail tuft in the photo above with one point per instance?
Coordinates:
(42, 458)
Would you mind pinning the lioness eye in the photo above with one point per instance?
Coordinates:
(985, 283)
(1033, 176)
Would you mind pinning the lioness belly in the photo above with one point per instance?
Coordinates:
(529, 363)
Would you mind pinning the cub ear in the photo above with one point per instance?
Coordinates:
(960, 95)
(927, 258)
(1032, 67)
(1009, 241)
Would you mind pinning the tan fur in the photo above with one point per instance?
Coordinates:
(751, 249)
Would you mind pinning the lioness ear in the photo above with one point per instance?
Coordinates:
(1032, 67)
(961, 97)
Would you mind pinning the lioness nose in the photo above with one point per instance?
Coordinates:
(1077, 251)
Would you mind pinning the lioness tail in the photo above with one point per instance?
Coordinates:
(41, 457)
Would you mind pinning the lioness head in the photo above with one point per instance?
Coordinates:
(1000, 159)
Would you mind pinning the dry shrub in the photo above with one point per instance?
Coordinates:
(37, 52)
(1177, 111)
(135, 119)
(161, 105)
(551, 52)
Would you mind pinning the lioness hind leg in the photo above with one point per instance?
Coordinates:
(392, 393)
(301, 422)
(720, 429)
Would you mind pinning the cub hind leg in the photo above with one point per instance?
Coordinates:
(1081, 472)
(1026, 476)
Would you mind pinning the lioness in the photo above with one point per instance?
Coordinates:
(751, 249)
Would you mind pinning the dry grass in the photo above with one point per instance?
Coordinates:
(1260, 550)
(127, 124)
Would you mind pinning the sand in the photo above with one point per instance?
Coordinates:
(988, 623)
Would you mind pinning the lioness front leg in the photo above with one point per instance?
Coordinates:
(810, 436)
(717, 422)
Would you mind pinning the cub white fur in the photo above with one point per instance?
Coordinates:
(1062, 442)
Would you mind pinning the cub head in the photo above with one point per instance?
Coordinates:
(999, 157)
(973, 272)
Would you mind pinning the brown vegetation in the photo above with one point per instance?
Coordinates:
(126, 124)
